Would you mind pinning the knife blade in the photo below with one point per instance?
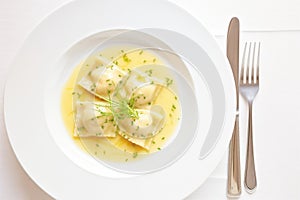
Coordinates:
(234, 171)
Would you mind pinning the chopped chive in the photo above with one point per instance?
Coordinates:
(80, 128)
(126, 59)
(93, 87)
(169, 81)
(149, 72)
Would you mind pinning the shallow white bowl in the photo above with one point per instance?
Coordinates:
(40, 152)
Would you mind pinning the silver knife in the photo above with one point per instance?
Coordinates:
(234, 170)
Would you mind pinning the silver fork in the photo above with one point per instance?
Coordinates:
(249, 86)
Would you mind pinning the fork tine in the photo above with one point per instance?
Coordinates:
(248, 64)
(243, 65)
(257, 64)
(252, 68)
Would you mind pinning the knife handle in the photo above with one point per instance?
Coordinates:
(234, 169)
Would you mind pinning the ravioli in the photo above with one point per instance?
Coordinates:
(148, 123)
(102, 80)
(144, 143)
(94, 119)
(142, 130)
(140, 88)
(146, 95)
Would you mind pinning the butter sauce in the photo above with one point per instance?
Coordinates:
(118, 148)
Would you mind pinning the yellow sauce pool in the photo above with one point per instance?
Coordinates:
(118, 148)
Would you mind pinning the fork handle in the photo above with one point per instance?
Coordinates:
(250, 174)
(234, 171)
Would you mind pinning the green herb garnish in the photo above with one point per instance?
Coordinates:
(93, 87)
(169, 82)
(120, 109)
(149, 72)
(126, 59)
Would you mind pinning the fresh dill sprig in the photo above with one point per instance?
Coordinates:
(120, 109)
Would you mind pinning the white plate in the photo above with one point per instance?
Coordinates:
(39, 152)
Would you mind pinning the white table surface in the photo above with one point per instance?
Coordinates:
(276, 109)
